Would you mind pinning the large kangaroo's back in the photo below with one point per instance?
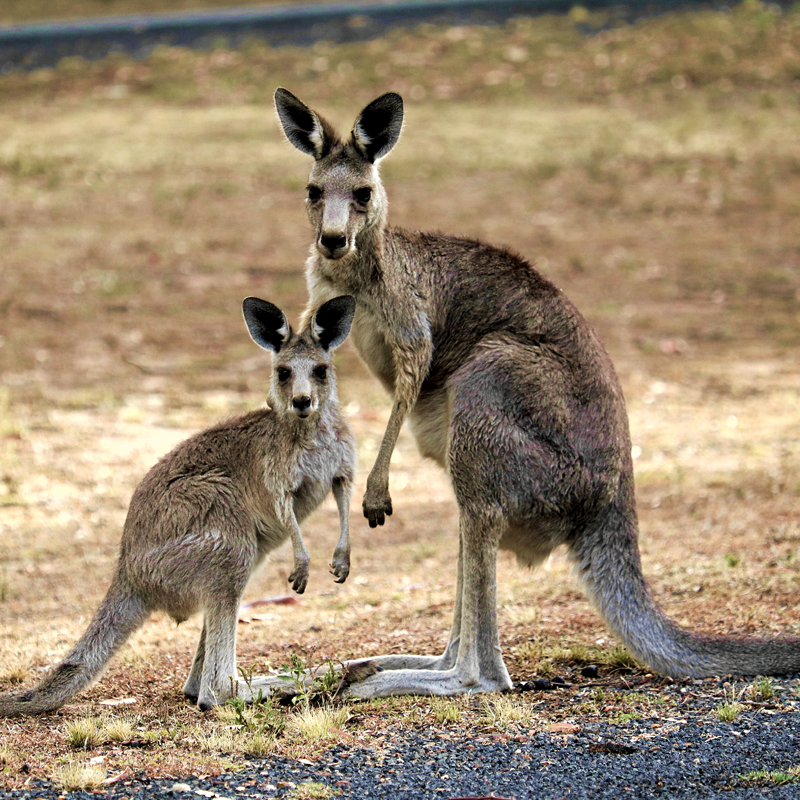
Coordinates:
(508, 387)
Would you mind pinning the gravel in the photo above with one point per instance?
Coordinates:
(688, 754)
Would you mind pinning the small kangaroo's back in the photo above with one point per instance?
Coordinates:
(206, 514)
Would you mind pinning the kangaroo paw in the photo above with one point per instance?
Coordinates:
(340, 567)
(299, 578)
(377, 506)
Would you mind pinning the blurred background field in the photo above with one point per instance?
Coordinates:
(651, 170)
(20, 12)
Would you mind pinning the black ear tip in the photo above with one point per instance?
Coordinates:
(344, 306)
(395, 98)
(251, 305)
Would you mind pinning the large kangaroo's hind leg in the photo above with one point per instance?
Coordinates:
(472, 661)
(479, 458)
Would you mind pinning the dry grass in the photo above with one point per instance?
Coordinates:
(75, 776)
(312, 725)
(652, 171)
(84, 733)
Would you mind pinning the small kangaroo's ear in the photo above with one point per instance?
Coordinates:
(305, 129)
(267, 324)
(377, 128)
(332, 321)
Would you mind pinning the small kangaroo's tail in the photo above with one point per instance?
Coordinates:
(119, 615)
(607, 558)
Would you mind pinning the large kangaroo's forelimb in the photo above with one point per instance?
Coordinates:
(411, 348)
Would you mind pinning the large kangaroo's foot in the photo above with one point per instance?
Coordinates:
(472, 661)
(255, 688)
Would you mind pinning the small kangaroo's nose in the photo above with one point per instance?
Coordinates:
(333, 243)
(302, 403)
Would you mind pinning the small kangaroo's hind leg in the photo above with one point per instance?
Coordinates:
(191, 688)
(219, 680)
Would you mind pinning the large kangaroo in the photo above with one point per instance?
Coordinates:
(508, 388)
(206, 514)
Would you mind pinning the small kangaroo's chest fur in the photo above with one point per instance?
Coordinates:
(316, 468)
(327, 452)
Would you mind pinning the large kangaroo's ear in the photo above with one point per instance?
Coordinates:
(377, 127)
(267, 324)
(332, 321)
(305, 129)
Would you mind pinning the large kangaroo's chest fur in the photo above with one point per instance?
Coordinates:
(461, 294)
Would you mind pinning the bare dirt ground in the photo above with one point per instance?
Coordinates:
(652, 171)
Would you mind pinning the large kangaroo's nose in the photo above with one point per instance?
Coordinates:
(301, 403)
(332, 244)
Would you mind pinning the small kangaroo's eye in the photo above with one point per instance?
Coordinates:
(314, 193)
(283, 374)
(363, 196)
(321, 372)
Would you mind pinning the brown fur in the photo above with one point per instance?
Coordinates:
(508, 388)
(205, 516)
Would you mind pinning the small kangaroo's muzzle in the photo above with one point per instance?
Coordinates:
(301, 405)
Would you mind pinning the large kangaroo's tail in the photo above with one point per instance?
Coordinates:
(119, 615)
(607, 557)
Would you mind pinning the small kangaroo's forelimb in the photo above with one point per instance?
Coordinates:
(343, 493)
(301, 560)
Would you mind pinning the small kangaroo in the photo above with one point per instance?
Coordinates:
(508, 388)
(207, 513)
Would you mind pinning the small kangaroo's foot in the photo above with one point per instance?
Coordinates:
(299, 576)
(340, 566)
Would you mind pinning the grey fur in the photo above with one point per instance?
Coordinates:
(205, 516)
(508, 388)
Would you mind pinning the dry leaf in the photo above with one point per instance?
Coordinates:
(119, 701)
(563, 727)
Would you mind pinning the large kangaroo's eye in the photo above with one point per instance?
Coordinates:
(321, 372)
(314, 193)
(283, 374)
(363, 196)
